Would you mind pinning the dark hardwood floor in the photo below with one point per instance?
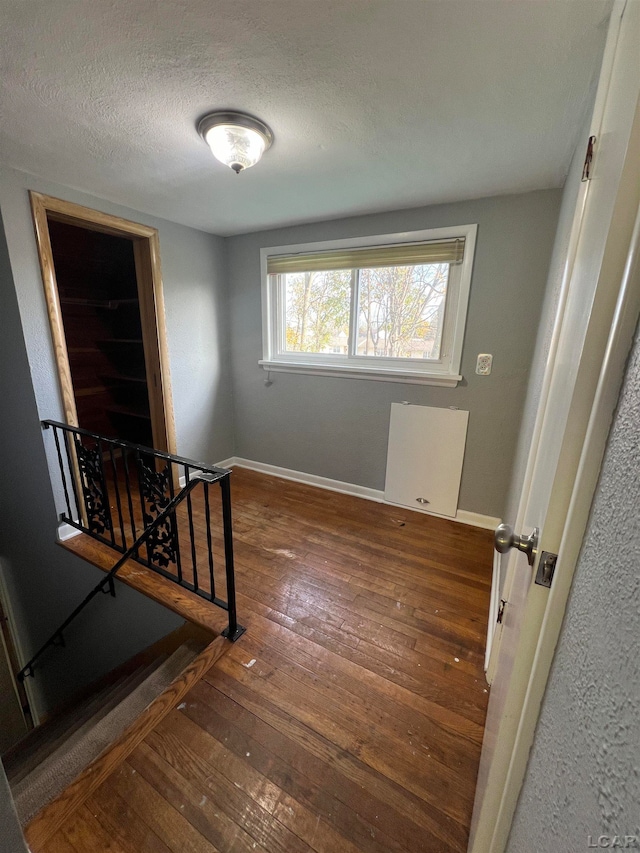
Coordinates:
(350, 715)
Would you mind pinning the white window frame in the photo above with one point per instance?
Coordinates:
(445, 371)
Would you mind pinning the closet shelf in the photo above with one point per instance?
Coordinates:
(130, 413)
(91, 392)
(110, 304)
(113, 341)
(118, 377)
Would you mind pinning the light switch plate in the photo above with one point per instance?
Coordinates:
(483, 364)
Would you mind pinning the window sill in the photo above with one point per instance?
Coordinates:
(410, 377)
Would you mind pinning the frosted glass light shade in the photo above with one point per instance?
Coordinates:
(235, 139)
(234, 146)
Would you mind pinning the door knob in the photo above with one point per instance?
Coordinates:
(504, 538)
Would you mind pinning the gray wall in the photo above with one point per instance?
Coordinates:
(338, 428)
(43, 582)
(583, 777)
(193, 268)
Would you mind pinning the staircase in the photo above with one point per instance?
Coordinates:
(41, 766)
(156, 522)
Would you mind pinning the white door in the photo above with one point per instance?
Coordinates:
(600, 242)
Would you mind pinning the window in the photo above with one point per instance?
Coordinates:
(390, 308)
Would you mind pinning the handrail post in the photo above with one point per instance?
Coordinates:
(233, 631)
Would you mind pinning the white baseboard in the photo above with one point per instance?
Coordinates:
(303, 477)
(227, 463)
(476, 519)
(66, 531)
(494, 604)
(463, 516)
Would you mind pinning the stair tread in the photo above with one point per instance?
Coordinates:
(74, 721)
(27, 750)
(67, 739)
(52, 816)
(56, 771)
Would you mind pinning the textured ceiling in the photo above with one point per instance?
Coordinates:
(375, 104)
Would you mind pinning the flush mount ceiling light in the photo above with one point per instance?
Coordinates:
(236, 139)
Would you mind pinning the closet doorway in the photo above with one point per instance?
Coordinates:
(103, 288)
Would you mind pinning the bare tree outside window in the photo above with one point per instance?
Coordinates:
(400, 311)
(317, 310)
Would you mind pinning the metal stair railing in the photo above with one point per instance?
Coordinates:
(107, 583)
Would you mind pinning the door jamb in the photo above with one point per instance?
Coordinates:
(620, 340)
(607, 373)
(616, 340)
(572, 248)
(146, 249)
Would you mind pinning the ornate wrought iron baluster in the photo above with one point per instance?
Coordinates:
(187, 474)
(176, 530)
(94, 490)
(155, 496)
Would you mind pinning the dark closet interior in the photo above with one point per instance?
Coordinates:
(98, 293)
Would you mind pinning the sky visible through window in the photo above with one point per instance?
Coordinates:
(400, 311)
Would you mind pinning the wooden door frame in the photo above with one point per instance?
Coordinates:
(146, 251)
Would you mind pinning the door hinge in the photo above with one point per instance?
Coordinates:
(586, 169)
(546, 568)
(503, 604)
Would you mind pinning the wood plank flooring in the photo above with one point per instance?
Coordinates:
(350, 715)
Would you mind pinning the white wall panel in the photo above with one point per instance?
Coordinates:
(424, 457)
